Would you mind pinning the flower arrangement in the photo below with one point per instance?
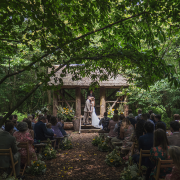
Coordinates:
(67, 144)
(37, 113)
(131, 173)
(110, 111)
(96, 140)
(114, 159)
(103, 146)
(65, 113)
(37, 168)
(49, 152)
(44, 110)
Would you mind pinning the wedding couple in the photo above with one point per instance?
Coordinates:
(89, 109)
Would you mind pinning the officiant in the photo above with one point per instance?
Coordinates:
(91, 94)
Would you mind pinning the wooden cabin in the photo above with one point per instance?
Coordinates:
(75, 92)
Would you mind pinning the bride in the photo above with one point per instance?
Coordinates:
(94, 118)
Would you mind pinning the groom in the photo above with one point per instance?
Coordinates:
(87, 111)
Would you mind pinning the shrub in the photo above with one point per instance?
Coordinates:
(49, 152)
(67, 144)
(103, 146)
(37, 168)
(96, 140)
(114, 159)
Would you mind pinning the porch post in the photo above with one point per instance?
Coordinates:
(102, 101)
(55, 103)
(78, 109)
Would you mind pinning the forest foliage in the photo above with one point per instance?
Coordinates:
(136, 38)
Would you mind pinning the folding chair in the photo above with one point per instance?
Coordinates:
(8, 152)
(162, 164)
(143, 153)
(24, 145)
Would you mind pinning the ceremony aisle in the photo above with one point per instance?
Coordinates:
(83, 162)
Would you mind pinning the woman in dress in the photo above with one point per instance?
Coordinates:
(174, 152)
(111, 126)
(23, 135)
(55, 126)
(94, 118)
(159, 150)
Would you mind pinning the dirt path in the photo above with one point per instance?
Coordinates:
(83, 162)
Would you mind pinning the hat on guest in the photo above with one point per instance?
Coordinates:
(22, 126)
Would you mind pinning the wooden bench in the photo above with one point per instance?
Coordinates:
(24, 145)
(39, 147)
(8, 152)
(58, 139)
(52, 141)
(162, 164)
(143, 153)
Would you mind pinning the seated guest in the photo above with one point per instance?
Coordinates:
(111, 126)
(62, 128)
(127, 132)
(8, 141)
(31, 131)
(15, 117)
(55, 126)
(145, 143)
(139, 115)
(174, 139)
(160, 150)
(105, 123)
(15, 124)
(161, 125)
(158, 119)
(126, 129)
(117, 130)
(40, 130)
(148, 119)
(131, 117)
(150, 112)
(174, 153)
(140, 126)
(3, 126)
(152, 117)
(11, 117)
(176, 117)
(24, 136)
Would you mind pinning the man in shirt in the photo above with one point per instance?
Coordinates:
(104, 122)
(174, 139)
(157, 119)
(8, 141)
(40, 130)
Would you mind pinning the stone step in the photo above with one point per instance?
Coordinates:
(89, 130)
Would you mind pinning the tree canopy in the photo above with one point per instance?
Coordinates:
(114, 35)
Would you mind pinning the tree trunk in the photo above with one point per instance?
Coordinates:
(77, 119)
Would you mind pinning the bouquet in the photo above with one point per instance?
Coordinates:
(37, 168)
(67, 144)
(96, 140)
(65, 113)
(49, 152)
(114, 159)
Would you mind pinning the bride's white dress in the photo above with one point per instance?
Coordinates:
(95, 120)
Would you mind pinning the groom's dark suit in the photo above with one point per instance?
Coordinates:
(87, 110)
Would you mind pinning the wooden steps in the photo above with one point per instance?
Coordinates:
(89, 130)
